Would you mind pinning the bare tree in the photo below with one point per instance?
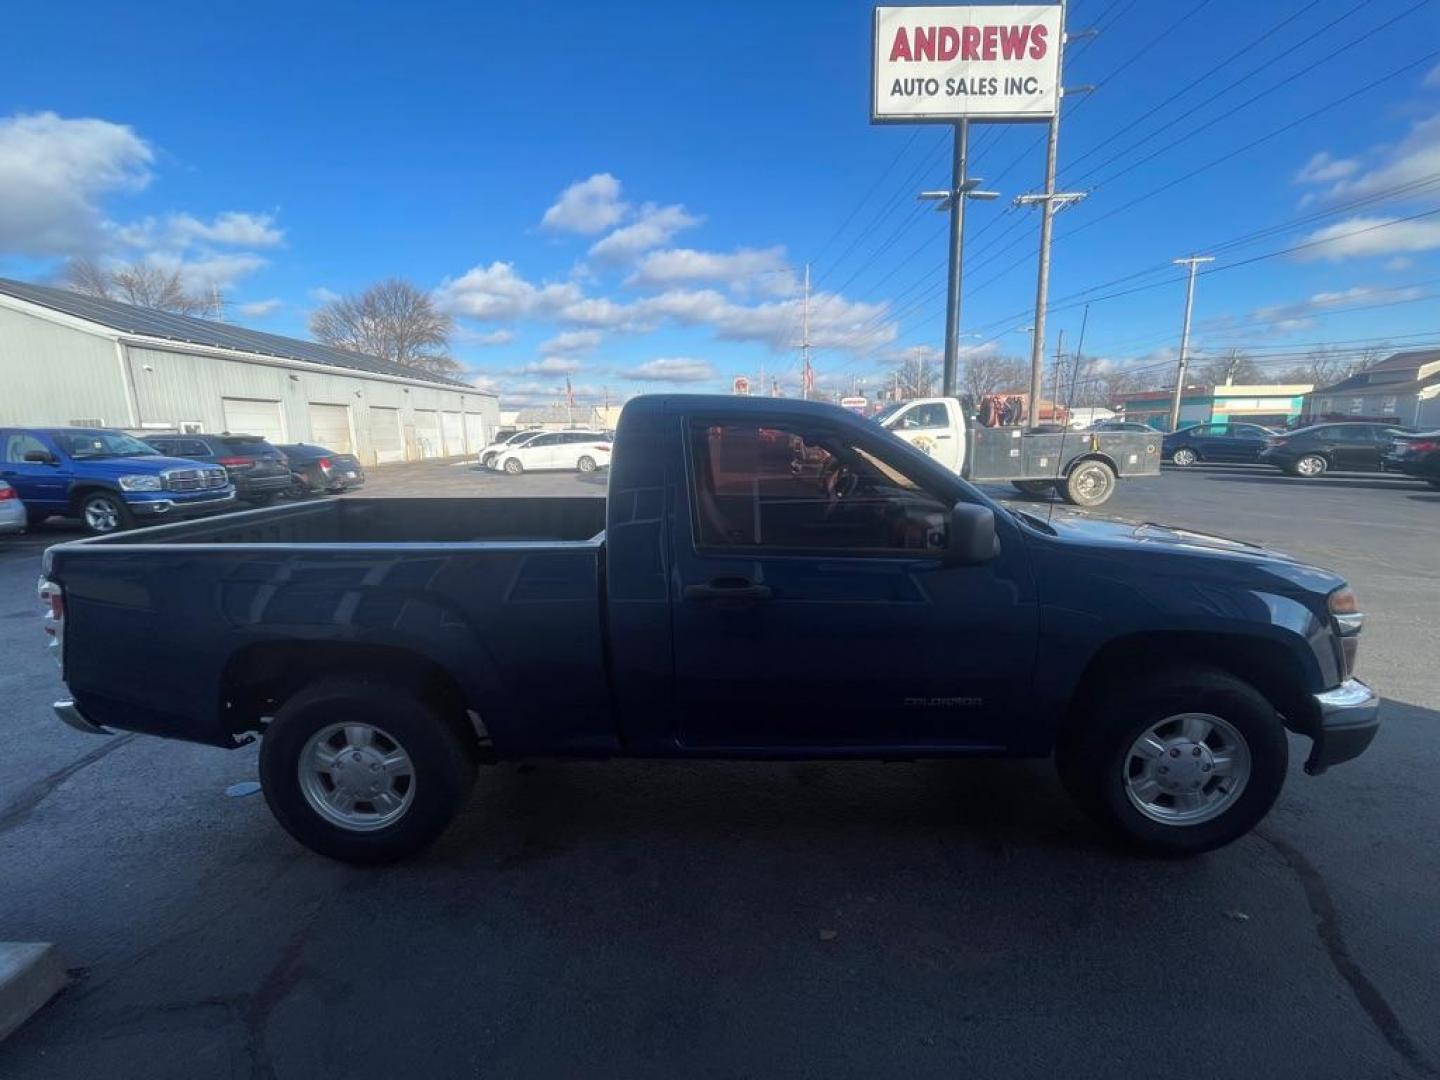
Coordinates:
(392, 320)
(917, 375)
(141, 284)
(1234, 368)
(984, 375)
(1323, 367)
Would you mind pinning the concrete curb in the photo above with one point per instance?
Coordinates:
(30, 975)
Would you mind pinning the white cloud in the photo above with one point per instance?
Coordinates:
(1400, 262)
(682, 266)
(231, 228)
(1358, 237)
(1415, 158)
(654, 225)
(205, 272)
(1323, 168)
(835, 323)
(674, 369)
(483, 338)
(1432, 77)
(497, 293)
(259, 308)
(586, 207)
(321, 295)
(1297, 314)
(552, 365)
(54, 172)
(568, 341)
(599, 312)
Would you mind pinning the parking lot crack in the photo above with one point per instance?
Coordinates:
(1327, 926)
(18, 810)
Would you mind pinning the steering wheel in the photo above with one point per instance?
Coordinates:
(840, 483)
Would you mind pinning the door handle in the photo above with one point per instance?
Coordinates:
(728, 588)
(944, 436)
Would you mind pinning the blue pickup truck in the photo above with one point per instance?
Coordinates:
(765, 579)
(108, 479)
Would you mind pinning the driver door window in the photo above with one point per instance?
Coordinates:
(788, 489)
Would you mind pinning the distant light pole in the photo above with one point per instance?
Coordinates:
(1192, 262)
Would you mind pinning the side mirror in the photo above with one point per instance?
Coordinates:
(40, 457)
(973, 539)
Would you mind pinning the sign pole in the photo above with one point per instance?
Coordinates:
(958, 165)
(1047, 219)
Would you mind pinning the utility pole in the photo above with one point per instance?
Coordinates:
(962, 189)
(1055, 395)
(1050, 201)
(1192, 262)
(807, 375)
(1232, 367)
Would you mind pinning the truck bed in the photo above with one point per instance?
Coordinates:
(385, 521)
(1014, 453)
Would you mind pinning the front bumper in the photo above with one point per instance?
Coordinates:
(69, 712)
(167, 506)
(1349, 719)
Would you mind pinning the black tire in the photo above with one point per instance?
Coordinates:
(1033, 487)
(487, 460)
(103, 512)
(1092, 756)
(1184, 456)
(439, 744)
(514, 467)
(1090, 483)
(586, 463)
(1317, 467)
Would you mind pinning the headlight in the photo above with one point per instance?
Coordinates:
(140, 483)
(1349, 620)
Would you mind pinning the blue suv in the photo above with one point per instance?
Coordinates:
(108, 479)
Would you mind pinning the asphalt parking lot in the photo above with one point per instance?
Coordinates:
(711, 919)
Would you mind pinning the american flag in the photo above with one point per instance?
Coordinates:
(809, 377)
(569, 393)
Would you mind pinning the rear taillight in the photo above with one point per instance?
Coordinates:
(602, 446)
(324, 463)
(7, 492)
(236, 462)
(52, 600)
(1428, 446)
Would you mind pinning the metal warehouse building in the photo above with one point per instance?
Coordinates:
(71, 359)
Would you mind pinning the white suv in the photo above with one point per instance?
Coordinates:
(487, 456)
(584, 451)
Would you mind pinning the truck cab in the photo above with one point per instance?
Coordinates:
(935, 426)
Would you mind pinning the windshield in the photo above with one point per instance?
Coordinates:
(888, 411)
(98, 444)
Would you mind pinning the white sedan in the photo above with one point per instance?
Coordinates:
(584, 451)
(515, 439)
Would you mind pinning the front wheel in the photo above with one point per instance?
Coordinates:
(104, 513)
(1310, 466)
(365, 772)
(1089, 484)
(513, 467)
(1184, 457)
(1179, 763)
(586, 464)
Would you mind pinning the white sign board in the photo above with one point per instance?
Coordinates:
(965, 63)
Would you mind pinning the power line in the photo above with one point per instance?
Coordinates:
(868, 194)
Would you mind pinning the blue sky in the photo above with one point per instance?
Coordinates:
(285, 152)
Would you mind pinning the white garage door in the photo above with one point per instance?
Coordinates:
(427, 433)
(247, 416)
(474, 431)
(330, 427)
(385, 435)
(454, 431)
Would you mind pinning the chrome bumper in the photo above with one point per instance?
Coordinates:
(1349, 719)
(69, 712)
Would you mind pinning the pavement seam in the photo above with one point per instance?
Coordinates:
(1327, 926)
(20, 808)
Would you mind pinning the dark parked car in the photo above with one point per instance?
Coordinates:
(1231, 443)
(383, 648)
(108, 479)
(1415, 454)
(1121, 425)
(257, 469)
(314, 468)
(1321, 448)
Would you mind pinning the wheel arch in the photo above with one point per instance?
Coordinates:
(81, 489)
(1093, 455)
(258, 678)
(1274, 670)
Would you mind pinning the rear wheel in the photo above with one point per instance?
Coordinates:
(1184, 457)
(1178, 763)
(487, 460)
(513, 466)
(1310, 466)
(1089, 484)
(365, 772)
(104, 512)
(586, 464)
